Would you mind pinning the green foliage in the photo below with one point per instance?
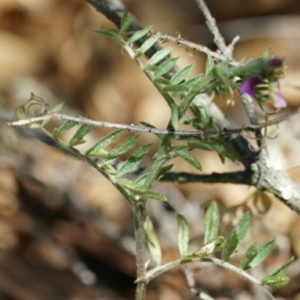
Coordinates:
(98, 148)
(179, 92)
(230, 245)
(78, 137)
(134, 160)
(152, 240)
(262, 253)
(183, 235)
(211, 222)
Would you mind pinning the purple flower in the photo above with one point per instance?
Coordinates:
(271, 74)
(248, 85)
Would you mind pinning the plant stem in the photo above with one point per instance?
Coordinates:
(140, 244)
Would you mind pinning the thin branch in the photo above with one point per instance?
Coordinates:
(165, 38)
(212, 26)
(240, 177)
(141, 129)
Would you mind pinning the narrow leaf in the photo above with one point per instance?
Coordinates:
(242, 227)
(263, 252)
(230, 245)
(56, 108)
(124, 147)
(209, 64)
(125, 23)
(174, 109)
(180, 76)
(138, 190)
(134, 160)
(222, 149)
(282, 269)
(161, 80)
(147, 44)
(200, 145)
(77, 138)
(193, 81)
(249, 256)
(188, 157)
(152, 241)
(157, 57)
(211, 222)
(153, 195)
(98, 148)
(163, 171)
(64, 128)
(174, 88)
(112, 33)
(165, 67)
(276, 281)
(160, 136)
(138, 35)
(183, 235)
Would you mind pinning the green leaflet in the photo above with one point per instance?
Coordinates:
(230, 245)
(211, 222)
(280, 270)
(125, 23)
(165, 67)
(112, 33)
(124, 147)
(78, 137)
(249, 256)
(242, 227)
(134, 160)
(139, 190)
(152, 241)
(262, 253)
(278, 281)
(183, 235)
(157, 57)
(181, 75)
(147, 45)
(64, 128)
(98, 148)
(188, 157)
(138, 35)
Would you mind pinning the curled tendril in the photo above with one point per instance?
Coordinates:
(34, 106)
(263, 136)
(258, 149)
(246, 135)
(269, 113)
(265, 127)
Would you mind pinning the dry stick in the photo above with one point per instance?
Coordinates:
(227, 131)
(212, 26)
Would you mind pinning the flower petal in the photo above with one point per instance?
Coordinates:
(277, 97)
(248, 85)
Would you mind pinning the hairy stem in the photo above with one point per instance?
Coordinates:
(140, 244)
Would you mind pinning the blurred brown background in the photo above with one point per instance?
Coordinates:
(65, 232)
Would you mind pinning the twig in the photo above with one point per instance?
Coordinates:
(181, 41)
(241, 177)
(134, 128)
(212, 26)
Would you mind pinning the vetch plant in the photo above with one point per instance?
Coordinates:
(190, 100)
